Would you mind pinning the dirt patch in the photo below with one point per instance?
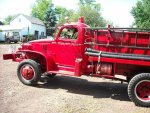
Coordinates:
(61, 94)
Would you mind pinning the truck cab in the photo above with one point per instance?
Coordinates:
(64, 54)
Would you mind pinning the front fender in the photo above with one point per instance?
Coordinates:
(49, 61)
(28, 54)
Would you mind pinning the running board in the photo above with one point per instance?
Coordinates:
(62, 72)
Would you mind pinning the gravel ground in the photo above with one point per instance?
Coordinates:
(61, 94)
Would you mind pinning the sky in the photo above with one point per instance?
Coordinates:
(117, 11)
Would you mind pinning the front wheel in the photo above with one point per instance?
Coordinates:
(139, 90)
(29, 72)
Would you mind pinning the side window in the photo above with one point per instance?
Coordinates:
(15, 33)
(42, 33)
(69, 33)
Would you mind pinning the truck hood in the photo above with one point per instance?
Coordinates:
(42, 40)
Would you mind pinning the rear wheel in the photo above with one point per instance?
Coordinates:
(29, 72)
(139, 89)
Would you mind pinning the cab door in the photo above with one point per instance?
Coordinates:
(67, 47)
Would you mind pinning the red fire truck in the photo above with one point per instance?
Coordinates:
(78, 49)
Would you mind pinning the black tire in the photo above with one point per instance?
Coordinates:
(16, 42)
(140, 84)
(36, 72)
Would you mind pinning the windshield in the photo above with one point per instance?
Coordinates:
(69, 33)
(16, 33)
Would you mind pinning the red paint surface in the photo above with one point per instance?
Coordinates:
(27, 72)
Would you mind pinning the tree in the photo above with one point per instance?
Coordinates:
(8, 19)
(141, 14)
(87, 8)
(62, 13)
(91, 12)
(85, 2)
(50, 19)
(91, 3)
(39, 8)
(1, 23)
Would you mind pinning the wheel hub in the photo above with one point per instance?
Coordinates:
(143, 90)
(27, 72)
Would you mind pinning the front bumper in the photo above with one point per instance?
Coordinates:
(7, 56)
(14, 56)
